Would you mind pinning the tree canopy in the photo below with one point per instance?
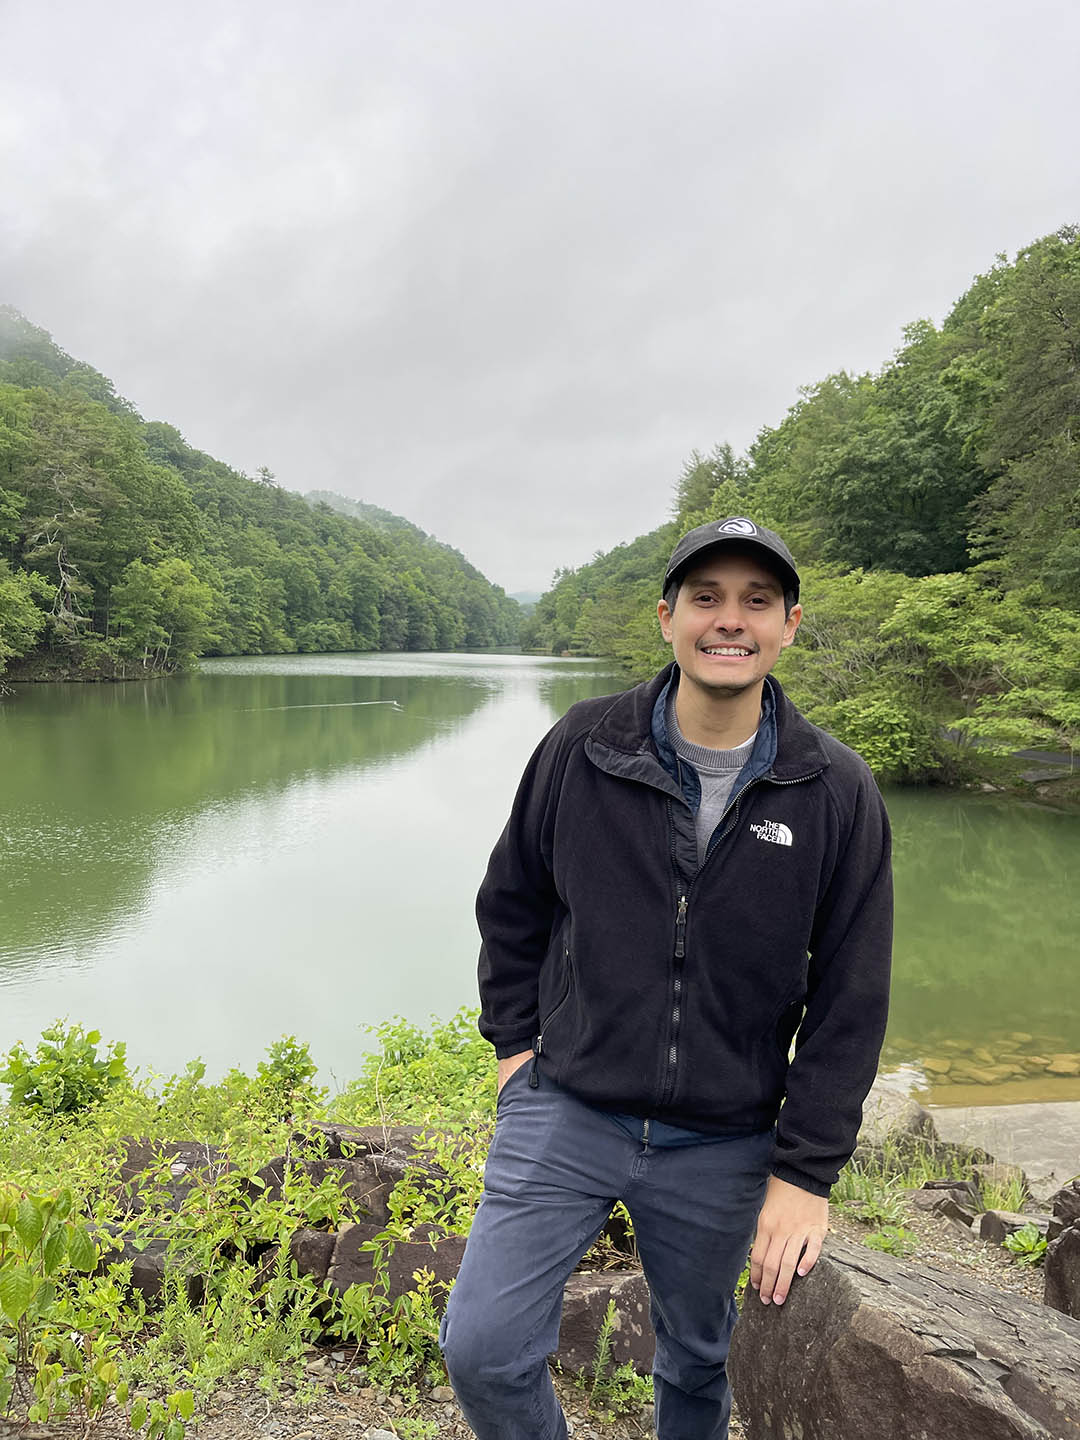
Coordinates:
(934, 511)
(124, 550)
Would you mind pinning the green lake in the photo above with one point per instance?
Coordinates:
(292, 845)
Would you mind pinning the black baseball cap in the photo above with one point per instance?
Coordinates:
(735, 530)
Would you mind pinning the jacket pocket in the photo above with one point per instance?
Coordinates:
(785, 1027)
(776, 1042)
(560, 997)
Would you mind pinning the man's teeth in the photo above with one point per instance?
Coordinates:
(725, 650)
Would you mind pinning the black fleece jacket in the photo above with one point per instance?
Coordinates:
(648, 984)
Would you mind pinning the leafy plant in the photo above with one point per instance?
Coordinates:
(893, 1239)
(40, 1351)
(398, 1338)
(1027, 1244)
(65, 1074)
(442, 1076)
(286, 1076)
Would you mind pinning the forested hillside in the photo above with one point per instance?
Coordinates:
(125, 551)
(934, 511)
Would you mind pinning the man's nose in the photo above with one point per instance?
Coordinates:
(727, 618)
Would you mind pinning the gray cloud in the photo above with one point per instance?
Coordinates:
(500, 267)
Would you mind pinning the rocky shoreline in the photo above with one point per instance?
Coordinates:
(881, 1311)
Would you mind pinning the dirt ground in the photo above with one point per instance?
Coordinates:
(345, 1409)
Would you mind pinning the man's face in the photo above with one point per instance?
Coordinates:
(728, 625)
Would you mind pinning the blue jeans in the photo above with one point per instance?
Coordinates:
(555, 1169)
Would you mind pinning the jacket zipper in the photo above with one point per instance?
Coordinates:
(680, 928)
(538, 1043)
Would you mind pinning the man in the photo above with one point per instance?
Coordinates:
(691, 872)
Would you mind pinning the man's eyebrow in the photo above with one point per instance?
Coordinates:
(760, 582)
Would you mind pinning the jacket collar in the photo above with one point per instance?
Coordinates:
(623, 740)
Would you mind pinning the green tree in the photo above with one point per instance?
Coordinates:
(21, 617)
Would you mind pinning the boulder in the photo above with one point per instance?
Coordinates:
(151, 1266)
(1065, 1207)
(945, 1196)
(363, 1180)
(585, 1303)
(867, 1345)
(313, 1252)
(158, 1174)
(888, 1112)
(345, 1142)
(1062, 1274)
(994, 1225)
(961, 1217)
(431, 1249)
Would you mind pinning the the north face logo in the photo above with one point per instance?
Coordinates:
(775, 831)
(737, 527)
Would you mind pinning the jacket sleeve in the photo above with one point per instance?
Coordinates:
(517, 905)
(847, 1001)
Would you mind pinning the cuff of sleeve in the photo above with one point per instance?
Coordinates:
(513, 1047)
(802, 1180)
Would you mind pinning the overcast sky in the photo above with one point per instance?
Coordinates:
(500, 266)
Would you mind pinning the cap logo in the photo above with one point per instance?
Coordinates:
(737, 527)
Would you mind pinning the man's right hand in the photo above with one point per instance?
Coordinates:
(510, 1064)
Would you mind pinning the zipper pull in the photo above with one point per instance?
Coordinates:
(680, 928)
(534, 1078)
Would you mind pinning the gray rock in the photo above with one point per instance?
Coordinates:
(345, 1142)
(994, 1225)
(867, 1345)
(585, 1303)
(432, 1250)
(313, 1252)
(1062, 1276)
(152, 1266)
(1042, 1138)
(158, 1174)
(935, 1194)
(367, 1185)
(887, 1112)
(1065, 1207)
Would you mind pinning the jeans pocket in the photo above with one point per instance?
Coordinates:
(512, 1080)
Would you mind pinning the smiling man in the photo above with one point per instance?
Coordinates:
(692, 876)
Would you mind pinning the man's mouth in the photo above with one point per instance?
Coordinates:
(737, 651)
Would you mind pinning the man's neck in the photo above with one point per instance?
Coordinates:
(718, 722)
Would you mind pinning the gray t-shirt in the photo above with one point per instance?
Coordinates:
(717, 770)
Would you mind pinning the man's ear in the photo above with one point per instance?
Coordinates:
(663, 611)
(791, 624)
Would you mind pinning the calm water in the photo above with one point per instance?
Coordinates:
(292, 845)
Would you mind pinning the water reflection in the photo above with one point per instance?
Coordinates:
(988, 913)
(293, 844)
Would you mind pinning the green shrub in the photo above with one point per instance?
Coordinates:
(893, 1239)
(65, 1074)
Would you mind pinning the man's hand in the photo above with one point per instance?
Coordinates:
(791, 1223)
(510, 1064)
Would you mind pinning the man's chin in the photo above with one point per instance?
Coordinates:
(727, 688)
